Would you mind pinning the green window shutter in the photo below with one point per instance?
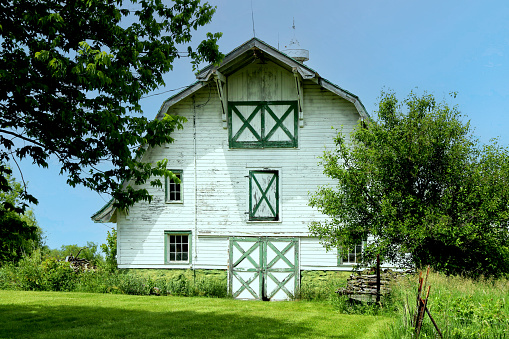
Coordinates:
(263, 195)
(263, 124)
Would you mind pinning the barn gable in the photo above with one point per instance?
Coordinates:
(247, 159)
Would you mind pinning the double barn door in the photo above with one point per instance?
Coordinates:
(263, 268)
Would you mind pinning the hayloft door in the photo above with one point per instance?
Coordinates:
(264, 195)
(263, 268)
(262, 124)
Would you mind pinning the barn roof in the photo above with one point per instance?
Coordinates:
(247, 53)
(240, 57)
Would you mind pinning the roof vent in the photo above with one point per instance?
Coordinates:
(294, 51)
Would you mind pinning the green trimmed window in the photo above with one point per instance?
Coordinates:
(177, 247)
(173, 189)
(263, 124)
(264, 195)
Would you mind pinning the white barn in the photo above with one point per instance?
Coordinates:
(247, 159)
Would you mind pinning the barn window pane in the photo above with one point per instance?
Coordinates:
(351, 255)
(178, 246)
(174, 188)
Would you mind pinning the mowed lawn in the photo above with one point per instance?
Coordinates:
(89, 315)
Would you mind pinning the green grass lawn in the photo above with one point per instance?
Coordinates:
(89, 315)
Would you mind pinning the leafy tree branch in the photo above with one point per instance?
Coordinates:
(71, 77)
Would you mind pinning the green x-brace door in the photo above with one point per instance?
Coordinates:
(281, 269)
(263, 124)
(263, 268)
(264, 195)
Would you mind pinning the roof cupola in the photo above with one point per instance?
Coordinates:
(293, 50)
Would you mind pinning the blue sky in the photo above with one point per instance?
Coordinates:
(362, 46)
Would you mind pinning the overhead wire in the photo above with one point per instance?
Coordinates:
(170, 90)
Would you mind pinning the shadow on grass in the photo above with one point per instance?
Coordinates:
(40, 321)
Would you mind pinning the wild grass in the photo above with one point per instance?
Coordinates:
(35, 274)
(321, 285)
(462, 308)
(90, 315)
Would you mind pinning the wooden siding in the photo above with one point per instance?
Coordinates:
(216, 179)
(315, 257)
(261, 82)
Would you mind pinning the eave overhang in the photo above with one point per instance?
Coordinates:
(105, 214)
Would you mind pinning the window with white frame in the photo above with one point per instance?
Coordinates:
(264, 195)
(350, 256)
(173, 188)
(177, 247)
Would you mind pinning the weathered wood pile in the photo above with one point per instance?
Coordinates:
(366, 284)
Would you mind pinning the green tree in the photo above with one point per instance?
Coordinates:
(110, 250)
(72, 74)
(19, 232)
(419, 183)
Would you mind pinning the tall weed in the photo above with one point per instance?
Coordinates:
(321, 285)
(462, 308)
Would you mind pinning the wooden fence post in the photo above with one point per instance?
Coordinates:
(378, 279)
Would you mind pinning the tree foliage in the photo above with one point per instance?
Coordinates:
(19, 232)
(110, 250)
(72, 74)
(417, 182)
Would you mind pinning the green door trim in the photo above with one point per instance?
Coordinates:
(253, 209)
(281, 285)
(281, 255)
(245, 123)
(247, 255)
(263, 138)
(279, 122)
(246, 285)
(263, 270)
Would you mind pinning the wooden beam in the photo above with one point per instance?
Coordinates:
(220, 80)
(219, 76)
(300, 96)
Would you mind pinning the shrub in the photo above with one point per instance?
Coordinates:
(211, 286)
(33, 273)
(58, 275)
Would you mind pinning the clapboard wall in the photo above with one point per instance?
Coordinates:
(215, 177)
